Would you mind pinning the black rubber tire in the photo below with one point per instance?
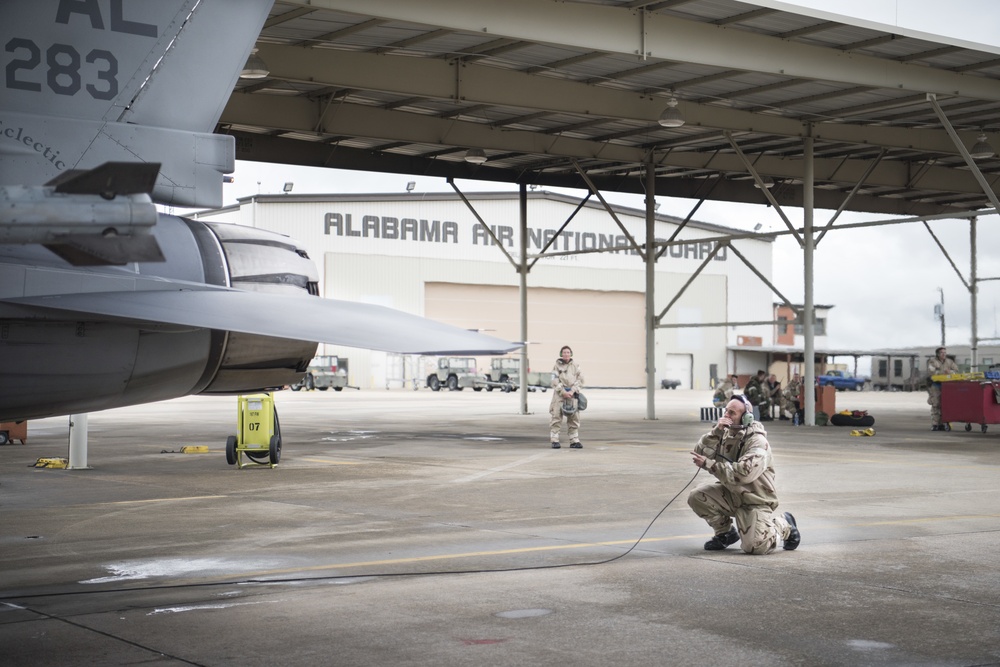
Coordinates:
(968, 427)
(274, 449)
(338, 388)
(984, 428)
(231, 450)
(452, 383)
(848, 420)
(4, 437)
(322, 388)
(434, 383)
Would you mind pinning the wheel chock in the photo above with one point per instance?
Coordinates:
(195, 449)
(51, 463)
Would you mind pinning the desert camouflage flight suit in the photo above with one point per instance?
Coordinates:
(744, 490)
(565, 375)
(723, 393)
(790, 396)
(937, 367)
(757, 392)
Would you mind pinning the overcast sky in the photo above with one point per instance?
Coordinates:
(883, 282)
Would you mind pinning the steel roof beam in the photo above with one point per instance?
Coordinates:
(565, 62)
(616, 30)
(261, 148)
(313, 42)
(301, 115)
(479, 84)
(411, 41)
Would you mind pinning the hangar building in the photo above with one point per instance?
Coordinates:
(428, 254)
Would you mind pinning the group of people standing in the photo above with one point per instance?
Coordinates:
(764, 392)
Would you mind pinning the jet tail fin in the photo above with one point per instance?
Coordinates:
(91, 82)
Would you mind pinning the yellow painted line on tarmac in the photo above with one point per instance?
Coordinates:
(563, 547)
(926, 519)
(331, 461)
(559, 547)
(158, 500)
(470, 554)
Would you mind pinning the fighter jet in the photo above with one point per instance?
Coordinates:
(108, 109)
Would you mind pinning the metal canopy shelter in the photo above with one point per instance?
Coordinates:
(780, 107)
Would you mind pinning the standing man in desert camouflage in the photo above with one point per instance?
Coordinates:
(941, 364)
(790, 397)
(567, 382)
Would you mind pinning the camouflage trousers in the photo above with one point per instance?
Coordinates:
(555, 424)
(758, 400)
(788, 406)
(759, 526)
(934, 400)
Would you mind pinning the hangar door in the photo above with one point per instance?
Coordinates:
(605, 329)
(678, 367)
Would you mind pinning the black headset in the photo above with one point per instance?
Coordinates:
(747, 417)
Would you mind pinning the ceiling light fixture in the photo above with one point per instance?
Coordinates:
(671, 116)
(475, 156)
(981, 149)
(255, 67)
(766, 180)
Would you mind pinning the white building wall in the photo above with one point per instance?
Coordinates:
(383, 249)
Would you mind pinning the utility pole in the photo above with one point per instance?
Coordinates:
(940, 313)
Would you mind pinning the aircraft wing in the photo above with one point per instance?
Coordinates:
(282, 316)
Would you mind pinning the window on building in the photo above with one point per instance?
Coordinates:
(883, 368)
(897, 368)
(819, 327)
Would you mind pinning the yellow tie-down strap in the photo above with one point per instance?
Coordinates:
(51, 463)
(952, 377)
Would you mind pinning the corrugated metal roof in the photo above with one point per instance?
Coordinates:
(542, 109)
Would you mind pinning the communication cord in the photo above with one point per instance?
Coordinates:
(436, 573)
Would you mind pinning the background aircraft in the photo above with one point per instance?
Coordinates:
(108, 109)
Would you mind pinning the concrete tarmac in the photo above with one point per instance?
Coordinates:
(421, 528)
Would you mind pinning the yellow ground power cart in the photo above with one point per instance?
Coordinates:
(259, 432)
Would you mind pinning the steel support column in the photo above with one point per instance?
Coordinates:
(808, 312)
(974, 294)
(650, 319)
(523, 293)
